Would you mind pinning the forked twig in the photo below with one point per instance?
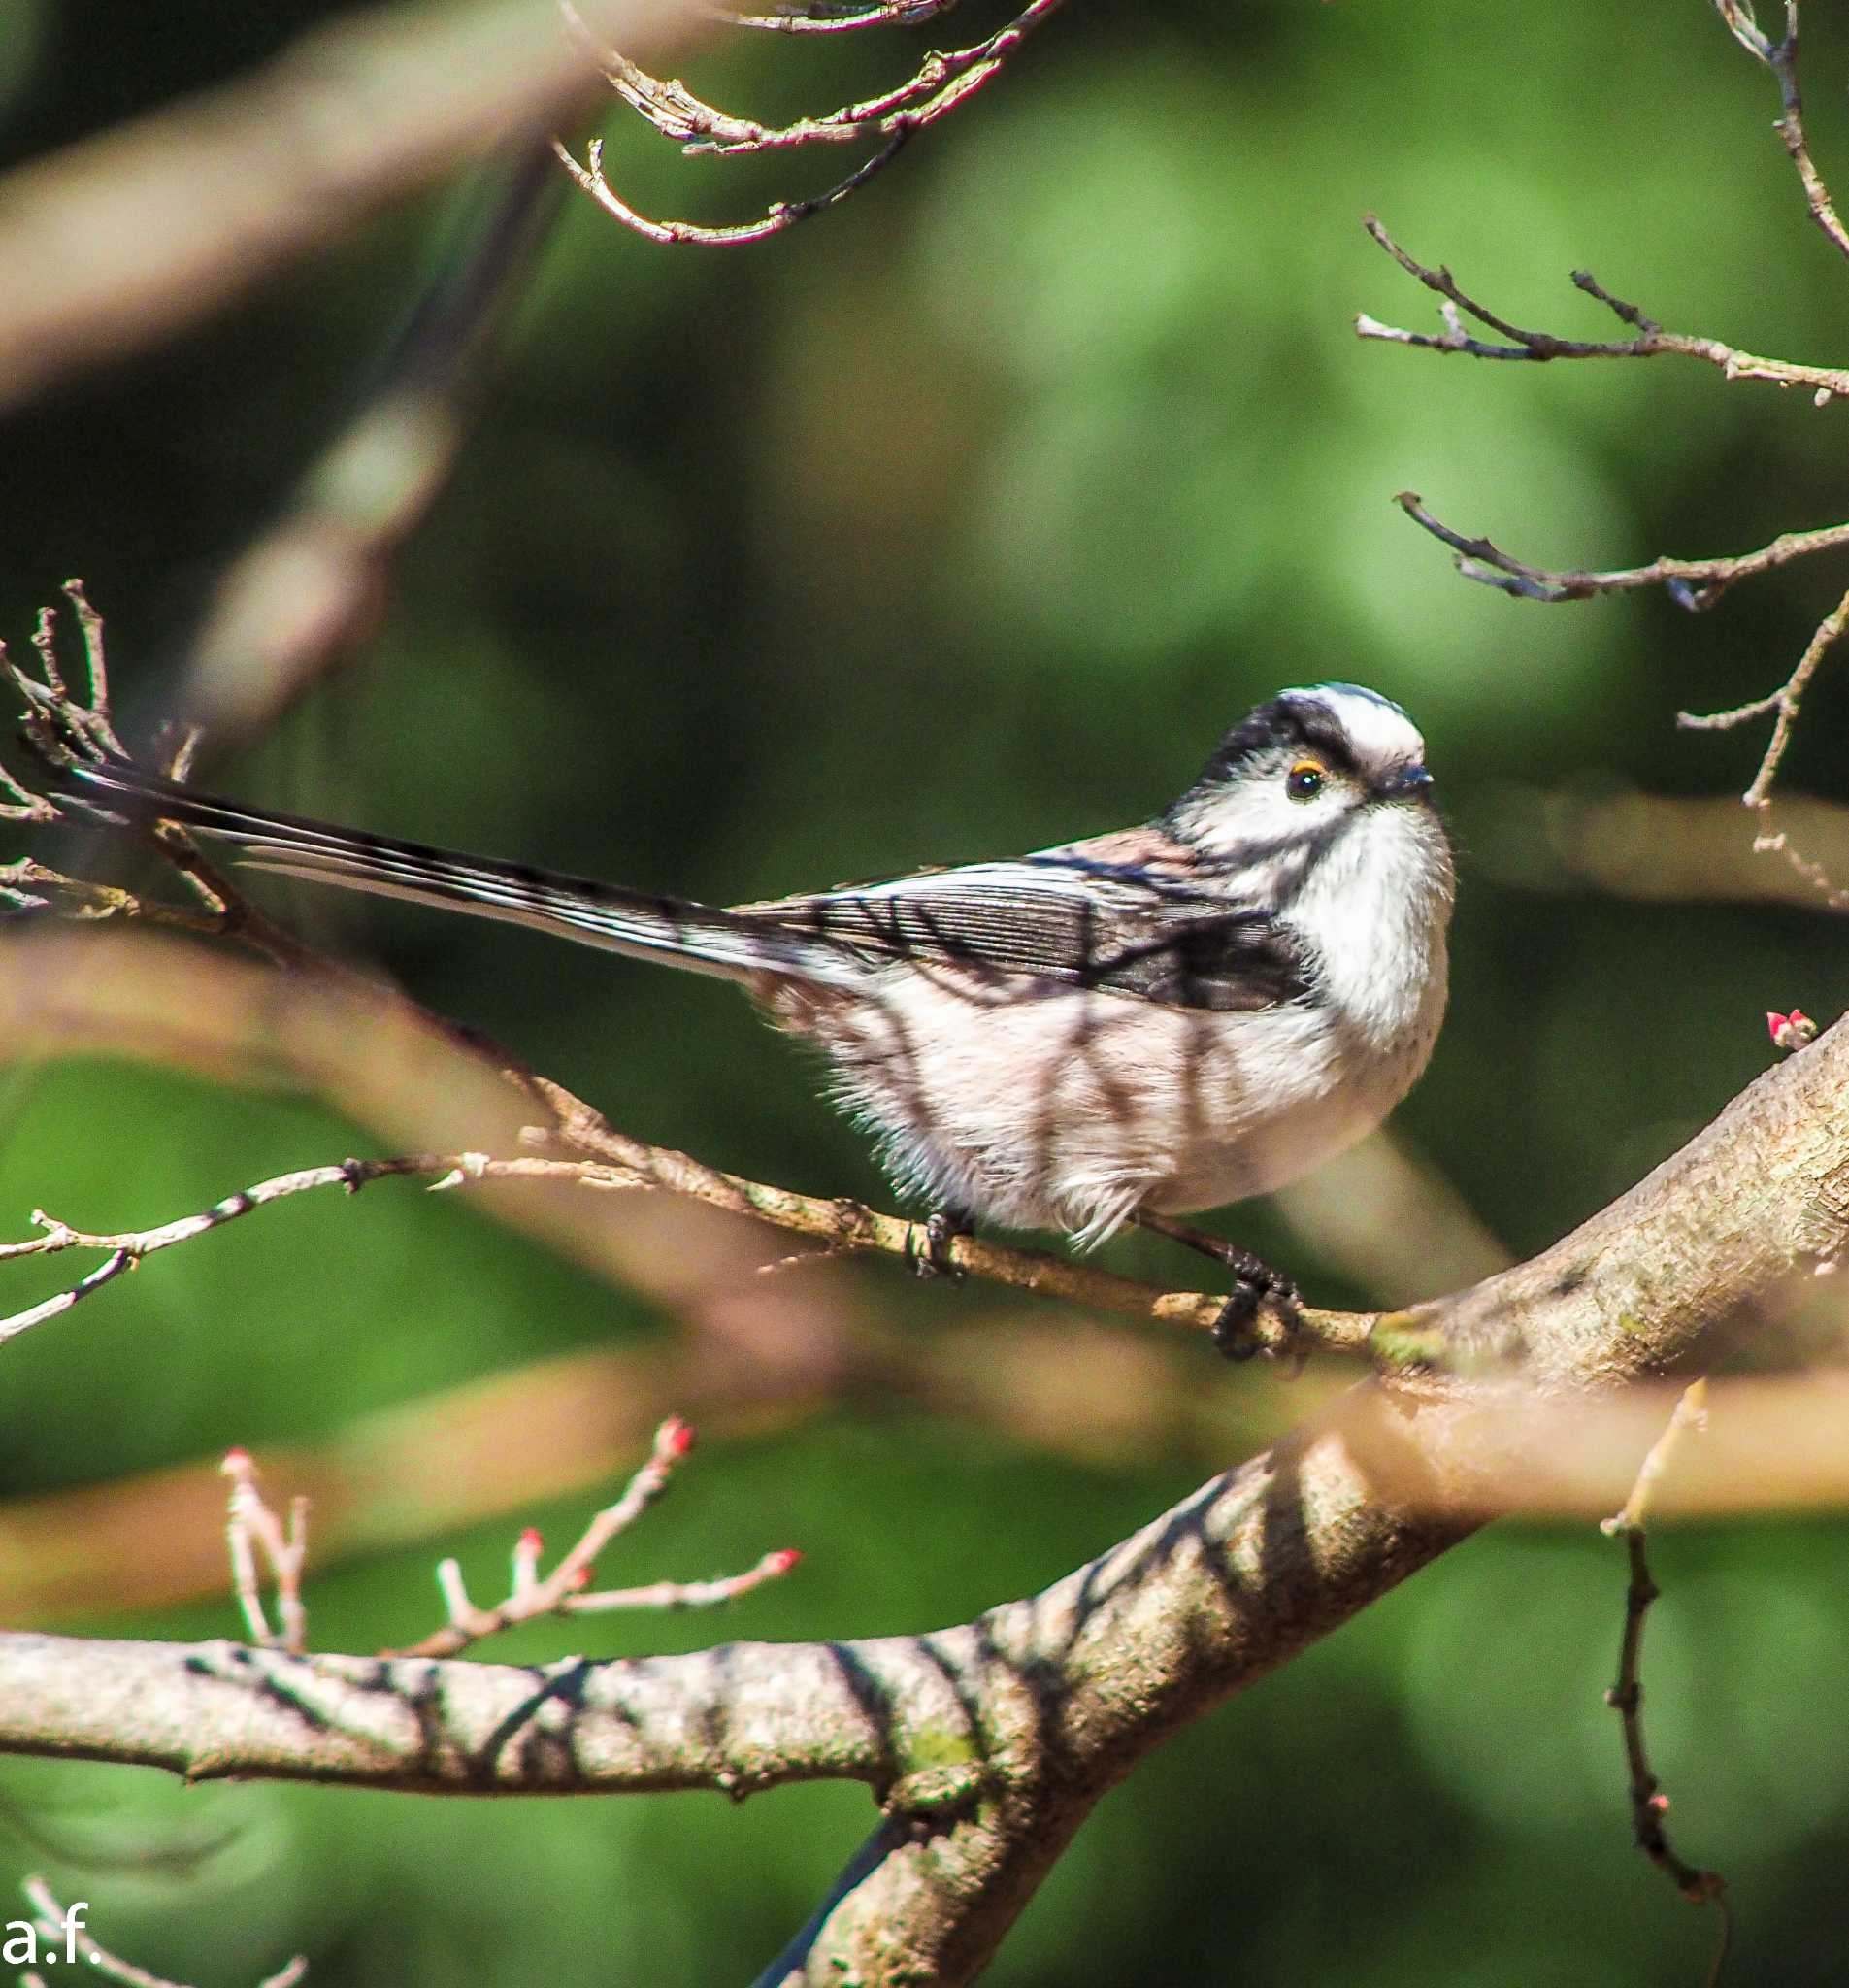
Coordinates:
(564, 1591)
(1648, 1803)
(942, 83)
(251, 1528)
(1692, 583)
(1781, 58)
(1514, 341)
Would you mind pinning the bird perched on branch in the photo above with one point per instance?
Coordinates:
(1144, 1023)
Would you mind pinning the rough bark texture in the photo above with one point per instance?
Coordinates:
(988, 1743)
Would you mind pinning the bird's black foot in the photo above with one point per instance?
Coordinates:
(931, 1257)
(1256, 1286)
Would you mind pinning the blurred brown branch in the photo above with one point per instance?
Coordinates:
(123, 239)
(1661, 848)
(313, 583)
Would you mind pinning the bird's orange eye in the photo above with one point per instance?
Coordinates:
(1304, 781)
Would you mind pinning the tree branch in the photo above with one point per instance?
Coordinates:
(1649, 341)
(988, 1743)
(945, 81)
(1692, 583)
(184, 210)
(1781, 58)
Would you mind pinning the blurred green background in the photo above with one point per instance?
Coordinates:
(961, 521)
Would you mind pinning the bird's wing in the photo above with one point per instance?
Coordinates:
(1067, 918)
(1109, 914)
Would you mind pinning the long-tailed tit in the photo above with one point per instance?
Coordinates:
(1155, 1020)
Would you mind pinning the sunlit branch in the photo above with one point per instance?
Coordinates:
(1513, 342)
(941, 84)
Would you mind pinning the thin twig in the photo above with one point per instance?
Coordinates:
(775, 219)
(942, 83)
(562, 1592)
(253, 1525)
(1784, 701)
(621, 1162)
(822, 20)
(1781, 58)
(1515, 342)
(126, 1249)
(1692, 583)
(1648, 1803)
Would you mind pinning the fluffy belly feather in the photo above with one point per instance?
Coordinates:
(1070, 1108)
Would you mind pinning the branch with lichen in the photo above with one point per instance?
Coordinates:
(986, 1744)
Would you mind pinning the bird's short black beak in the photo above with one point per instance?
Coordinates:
(1410, 782)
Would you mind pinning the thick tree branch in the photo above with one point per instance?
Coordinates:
(989, 1742)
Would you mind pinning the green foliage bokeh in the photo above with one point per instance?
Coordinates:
(958, 522)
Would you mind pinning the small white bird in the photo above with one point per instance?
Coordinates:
(1160, 1019)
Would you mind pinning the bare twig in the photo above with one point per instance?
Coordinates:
(252, 1526)
(821, 19)
(942, 83)
(61, 1929)
(781, 215)
(1648, 1803)
(1781, 58)
(124, 1249)
(1784, 701)
(1517, 343)
(563, 1592)
(1692, 583)
(621, 1162)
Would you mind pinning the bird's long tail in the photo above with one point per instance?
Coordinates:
(683, 932)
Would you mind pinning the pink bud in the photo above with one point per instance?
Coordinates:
(782, 1561)
(675, 1438)
(1790, 1031)
(237, 1462)
(581, 1577)
(532, 1543)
